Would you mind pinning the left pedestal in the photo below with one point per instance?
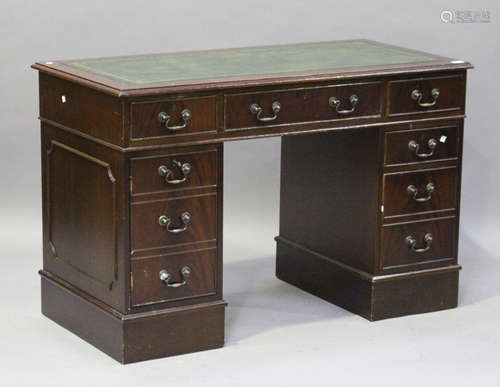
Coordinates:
(124, 267)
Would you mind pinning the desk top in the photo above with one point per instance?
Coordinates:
(201, 70)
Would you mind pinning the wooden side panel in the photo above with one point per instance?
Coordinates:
(84, 211)
(81, 197)
(329, 194)
(86, 110)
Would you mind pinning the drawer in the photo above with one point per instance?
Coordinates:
(197, 269)
(172, 117)
(409, 244)
(414, 146)
(275, 107)
(425, 95)
(159, 223)
(171, 172)
(421, 191)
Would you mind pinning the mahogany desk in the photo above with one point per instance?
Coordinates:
(132, 166)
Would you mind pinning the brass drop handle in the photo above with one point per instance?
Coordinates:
(335, 102)
(168, 174)
(417, 95)
(411, 242)
(164, 119)
(257, 110)
(413, 192)
(415, 146)
(165, 277)
(165, 221)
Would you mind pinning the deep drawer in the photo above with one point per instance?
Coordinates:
(172, 172)
(420, 191)
(257, 109)
(414, 146)
(151, 221)
(426, 95)
(172, 117)
(409, 244)
(197, 269)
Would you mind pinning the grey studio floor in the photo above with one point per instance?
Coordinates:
(276, 335)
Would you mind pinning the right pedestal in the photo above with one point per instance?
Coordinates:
(369, 222)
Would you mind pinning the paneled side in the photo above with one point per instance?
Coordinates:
(83, 215)
(81, 199)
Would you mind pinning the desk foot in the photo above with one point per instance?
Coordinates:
(136, 337)
(372, 297)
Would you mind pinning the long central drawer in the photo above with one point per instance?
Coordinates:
(275, 107)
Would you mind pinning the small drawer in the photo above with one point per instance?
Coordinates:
(414, 146)
(408, 244)
(169, 222)
(275, 107)
(172, 117)
(426, 95)
(173, 277)
(421, 191)
(172, 172)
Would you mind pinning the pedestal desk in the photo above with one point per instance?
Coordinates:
(132, 166)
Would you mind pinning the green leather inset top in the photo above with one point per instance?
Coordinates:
(166, 68)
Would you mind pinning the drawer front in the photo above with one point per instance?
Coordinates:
(422, 191)
(200, 277)
(256, 109)
(408, 244)
(425, 95)
(414, 146)
(150, 225)
(172, 172)
(172, 117)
